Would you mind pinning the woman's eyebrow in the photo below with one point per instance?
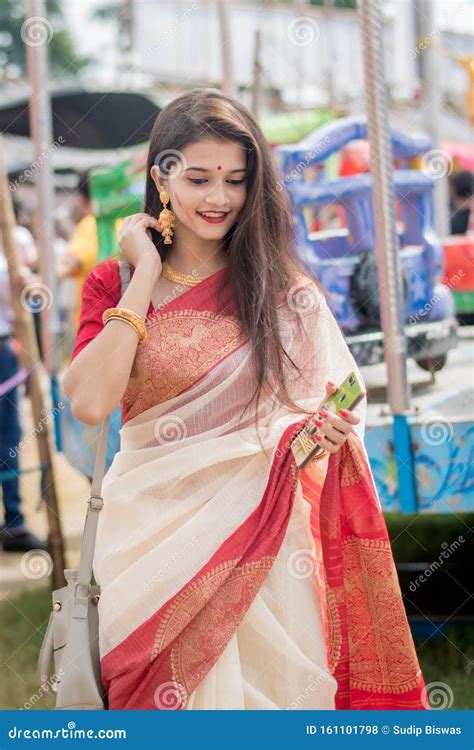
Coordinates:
(202, 169)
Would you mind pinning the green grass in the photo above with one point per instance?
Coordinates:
(449, 660)
(23, 621)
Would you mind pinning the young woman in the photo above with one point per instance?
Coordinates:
(230, 579)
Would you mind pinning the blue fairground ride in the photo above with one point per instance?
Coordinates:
(343, 259)
(421, 461)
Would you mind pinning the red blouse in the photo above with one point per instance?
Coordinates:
(101, 290)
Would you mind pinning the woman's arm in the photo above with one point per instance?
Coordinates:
(97, 378)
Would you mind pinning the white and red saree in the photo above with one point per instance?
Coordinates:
(230, 579)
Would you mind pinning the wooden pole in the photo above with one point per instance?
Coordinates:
(29, 357)
(41, 128)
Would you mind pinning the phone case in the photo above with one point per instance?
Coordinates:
(347, 396)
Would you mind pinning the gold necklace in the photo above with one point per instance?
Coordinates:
(180, 278)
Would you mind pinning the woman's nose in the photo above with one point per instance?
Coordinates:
(217, 194)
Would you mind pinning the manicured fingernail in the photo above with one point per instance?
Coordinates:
(344, 412)
(318, 422)
(333, 385)
(317, 437)
(323, 413)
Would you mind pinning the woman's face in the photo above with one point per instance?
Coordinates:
(209, 178)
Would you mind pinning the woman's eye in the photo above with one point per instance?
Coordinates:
(200, 180)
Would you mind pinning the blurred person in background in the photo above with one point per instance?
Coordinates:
(82, 251)
(461, 188)
(14, 535)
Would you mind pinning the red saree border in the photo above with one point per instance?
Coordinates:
(161, 662)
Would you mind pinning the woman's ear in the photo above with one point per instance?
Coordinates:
(156, 177)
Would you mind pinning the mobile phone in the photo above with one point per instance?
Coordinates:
(347, 396)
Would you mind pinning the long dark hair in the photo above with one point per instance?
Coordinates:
(260, 246)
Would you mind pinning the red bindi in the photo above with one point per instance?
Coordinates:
(219, 167)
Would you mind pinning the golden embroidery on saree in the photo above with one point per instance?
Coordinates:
(382, 654)
(181, 346)
(354, 467)
(216, 603)
(334, 628)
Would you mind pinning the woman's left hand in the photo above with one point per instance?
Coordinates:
(334, 428)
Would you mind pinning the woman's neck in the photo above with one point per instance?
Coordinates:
(204, 260)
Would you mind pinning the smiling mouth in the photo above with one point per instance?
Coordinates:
(213, 217)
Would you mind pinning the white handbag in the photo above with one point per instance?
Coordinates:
(72, 635)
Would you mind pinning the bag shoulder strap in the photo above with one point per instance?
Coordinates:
(124, 268)
(96, 502)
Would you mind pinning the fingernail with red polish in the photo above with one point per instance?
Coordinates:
(317, 437)
(323, 413)
(344, 412)
(318, 422)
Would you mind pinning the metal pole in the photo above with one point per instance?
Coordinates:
(257, 73)
(228, 83)
(37, 34)
(387, 244)
(433, 111)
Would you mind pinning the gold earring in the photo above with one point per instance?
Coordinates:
(166, 218)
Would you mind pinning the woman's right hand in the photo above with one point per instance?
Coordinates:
(136, 244)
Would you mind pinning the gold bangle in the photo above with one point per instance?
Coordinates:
(129, 322)
(119, 310)
(130, 316)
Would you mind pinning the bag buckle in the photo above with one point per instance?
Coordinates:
(96, 503)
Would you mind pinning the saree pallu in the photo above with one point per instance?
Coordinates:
(229, 578)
